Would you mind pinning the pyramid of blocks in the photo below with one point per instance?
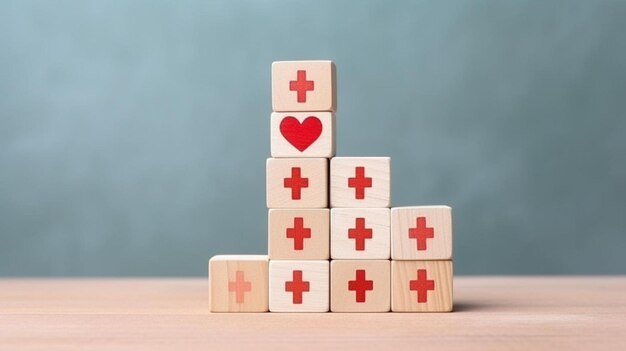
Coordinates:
(334, 242)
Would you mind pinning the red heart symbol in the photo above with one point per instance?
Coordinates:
(301, 135)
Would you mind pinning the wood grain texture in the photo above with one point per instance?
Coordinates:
(436, 219)
(322, 145)
(238, 283)
(316, 276)
(285, 227)
(491, 313)
(437, 296)
(349, 174)
(320, 96)
(313, 195)
(348, 240)
(369, 280)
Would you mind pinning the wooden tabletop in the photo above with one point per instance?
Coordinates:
(524, 313)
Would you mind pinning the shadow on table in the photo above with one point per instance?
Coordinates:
(473, 306)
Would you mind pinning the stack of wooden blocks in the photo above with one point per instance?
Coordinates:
(359, 233)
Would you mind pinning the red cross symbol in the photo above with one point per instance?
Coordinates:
(359, 183)
(298, 233)
(301, 85)
(360, 285)
(296, 183)
(421, 285)
(240, 286)
(359, 234)
(421, 232)
(297, 286)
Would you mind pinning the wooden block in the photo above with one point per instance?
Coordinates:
(297, 182)
(303, 86)
(421, 233)
(360, 182)
(360, 233)
(303, 134)
(238, 283)
(360, 286)
(299, 234)
(421, 286)
(299, 286)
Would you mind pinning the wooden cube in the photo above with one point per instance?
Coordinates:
(421, 233)
(303, 86)
(360, 285)
(297, 183)
(302, 134)
(360, 182)
(299, 234)
(421, 286)
(299, 286)
(360, 233)
(238, 283)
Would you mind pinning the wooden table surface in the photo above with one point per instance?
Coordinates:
(523, 313)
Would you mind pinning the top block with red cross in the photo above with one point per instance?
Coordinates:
(303, 86)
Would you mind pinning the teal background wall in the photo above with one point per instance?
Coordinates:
(133, 134)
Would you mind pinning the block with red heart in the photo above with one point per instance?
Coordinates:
(303, 134)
